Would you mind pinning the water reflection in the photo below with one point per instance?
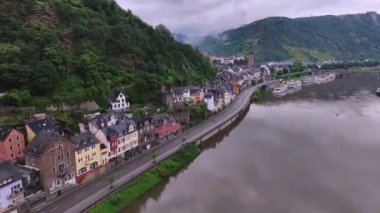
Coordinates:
(315, 151)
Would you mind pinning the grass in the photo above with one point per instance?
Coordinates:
(142, 184)
(257, 95)
(303, 54)
(297, 75)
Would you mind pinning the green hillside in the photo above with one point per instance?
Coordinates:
(71, 50)
(315, 38)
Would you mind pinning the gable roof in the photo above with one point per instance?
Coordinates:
(41, 125)
(4, 132)
(114, 93)
(122, 128)
(37, 146)
(84, 140)
(140, 121)
(8, 170)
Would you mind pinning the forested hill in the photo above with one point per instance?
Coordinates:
(73, 50)
(314, 38)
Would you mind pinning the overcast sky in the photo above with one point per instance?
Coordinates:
(199, 17)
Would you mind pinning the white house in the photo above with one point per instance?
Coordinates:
(210, 101)
(118, 101)
(181, 94)
(227, 98)
(11, 190)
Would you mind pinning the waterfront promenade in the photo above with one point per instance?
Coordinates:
(87, 195)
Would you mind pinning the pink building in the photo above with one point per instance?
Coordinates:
(165, 126)
(12, 144)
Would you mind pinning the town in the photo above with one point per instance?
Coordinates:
(40, 161)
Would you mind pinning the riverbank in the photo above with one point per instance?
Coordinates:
(257, 95)
(145, 182)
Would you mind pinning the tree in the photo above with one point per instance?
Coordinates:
(44, 78)
(111, 180)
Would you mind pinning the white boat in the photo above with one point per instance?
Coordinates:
(280, 90)
(294, 84)
(310, 80)
(331, 77)
(322, 79)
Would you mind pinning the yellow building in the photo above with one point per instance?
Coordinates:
(89, 155)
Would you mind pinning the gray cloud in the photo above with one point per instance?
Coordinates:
(198, 17)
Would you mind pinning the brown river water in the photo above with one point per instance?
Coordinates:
(316, 151)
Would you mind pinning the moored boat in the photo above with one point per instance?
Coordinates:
(294, 84)
(378, 92)
(280, 90)
(322, 79)
(331, 77)
(310, 80)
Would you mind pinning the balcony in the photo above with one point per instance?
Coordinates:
(17, 194)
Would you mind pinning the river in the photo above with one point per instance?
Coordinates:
(316, 151)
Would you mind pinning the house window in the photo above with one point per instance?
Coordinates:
(12, 155)
(86, 149)
(87, 157)
(82, 170)
(67, 154)
(93, 154)
(58, 182)
(11, 147)
(10, 140)
(18, 145)
(52, 160)
(79, 160)
(93, 146)
(53, 170)
(32, 161)
(17, 138)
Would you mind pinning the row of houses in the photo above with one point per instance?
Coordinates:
(44, 159)
(217, 94)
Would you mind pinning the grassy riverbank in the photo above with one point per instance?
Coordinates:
(143, 183)
(257, 95)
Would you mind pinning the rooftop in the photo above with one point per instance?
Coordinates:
(7, 171)
(84, 140)
(40, 142)
(41, 125)
(4, 132)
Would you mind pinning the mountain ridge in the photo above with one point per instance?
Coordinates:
(352, 36)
